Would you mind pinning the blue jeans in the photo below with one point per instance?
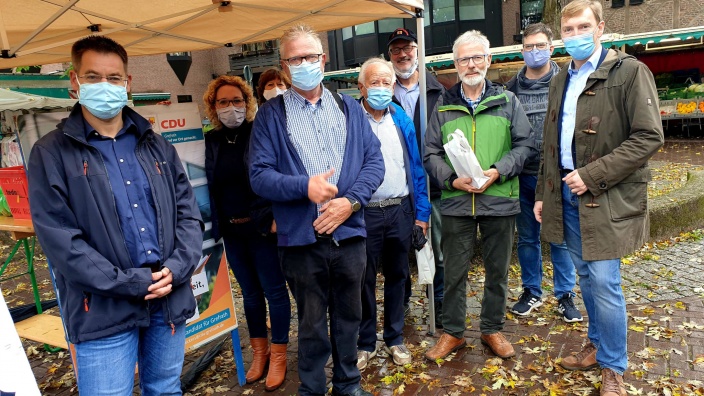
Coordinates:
(106, 366)
(389, 232)
(254, 259)
(530, 256)
(326, 278)
(600, 282)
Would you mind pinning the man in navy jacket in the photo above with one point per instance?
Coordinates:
(313, 154)
(115, 214)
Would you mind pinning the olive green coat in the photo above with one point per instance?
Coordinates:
(617, 129)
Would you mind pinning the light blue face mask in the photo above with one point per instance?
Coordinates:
(580, 47)
(103, 99)
(379, 98)
(306, 76)
(537, 58)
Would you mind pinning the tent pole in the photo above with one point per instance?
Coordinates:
(420, 34)
(43, 26)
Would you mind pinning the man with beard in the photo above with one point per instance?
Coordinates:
(403, 53)
(531, 87)
(499, 132)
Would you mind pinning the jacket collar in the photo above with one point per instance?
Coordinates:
(520, 78)
(73, 125)
(492, 96)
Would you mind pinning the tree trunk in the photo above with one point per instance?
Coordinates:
(551, 15)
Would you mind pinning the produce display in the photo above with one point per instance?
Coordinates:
(687, 107)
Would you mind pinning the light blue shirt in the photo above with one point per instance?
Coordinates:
(575, 86)
(394, 184)
(318, 132)
(407, 97)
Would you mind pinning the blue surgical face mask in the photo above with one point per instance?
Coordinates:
(537, 58)
(580, 47)
(103, 100)
(379, 98)
(306, 76)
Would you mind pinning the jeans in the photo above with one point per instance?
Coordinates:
(459, 233)
(326, 278)
(435, 238)
(600, 283)
(389, 232)
(255, 261)
(106, 366)
(530, 256)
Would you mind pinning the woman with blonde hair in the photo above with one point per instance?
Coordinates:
(246, 223)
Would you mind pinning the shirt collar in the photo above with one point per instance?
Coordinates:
(371, 117)
(416, 87)
(591, 63)
(302, 102)
(471, 102)
(127, 125)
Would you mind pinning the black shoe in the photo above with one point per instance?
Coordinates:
(438, 315)
(526, 303)
(357, 392)
(570, 313)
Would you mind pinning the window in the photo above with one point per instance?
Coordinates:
(531, 12)
(443, 11)
(389, 25)
(347, 33)
(617, 3)
(471, 9)
(635, 2)
(426, 15)
(365, 28)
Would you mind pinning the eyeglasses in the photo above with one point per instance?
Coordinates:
(297, 60)
(477, 59)
(407, 49)
(96, 78)
(540, 46)
(222, 103)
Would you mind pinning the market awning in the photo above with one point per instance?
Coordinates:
(151, 96)
(513, 52)
(11, 100)
(35, 32)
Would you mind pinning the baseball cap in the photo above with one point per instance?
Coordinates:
(402, 34)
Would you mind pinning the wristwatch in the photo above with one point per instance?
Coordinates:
(356, 206)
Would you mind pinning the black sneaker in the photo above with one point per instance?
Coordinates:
(570, 313)
(526, 303)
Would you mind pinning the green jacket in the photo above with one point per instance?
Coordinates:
(500, 135)
(617, 129)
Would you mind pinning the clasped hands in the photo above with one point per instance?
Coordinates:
(163, 285)
(335, 211)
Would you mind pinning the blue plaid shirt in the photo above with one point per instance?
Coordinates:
(317, 131)
(474, 103)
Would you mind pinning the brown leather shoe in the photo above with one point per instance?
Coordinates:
(277, 367)
(260, 358)
(612, 383)
(498, 344)
(584, 360)
(445, 346)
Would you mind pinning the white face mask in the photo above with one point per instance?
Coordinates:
(232, 116)
(271, 93)
(407, 74)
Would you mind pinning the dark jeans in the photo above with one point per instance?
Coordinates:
(389, 232)
(255, 262)
(436, 238)
(459, 233)
(326, 278)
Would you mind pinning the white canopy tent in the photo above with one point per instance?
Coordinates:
(11, 100)
(36, 32)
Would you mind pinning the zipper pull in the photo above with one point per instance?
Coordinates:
(158, 169)
(85, 171)
(85, 303)
(173, 328)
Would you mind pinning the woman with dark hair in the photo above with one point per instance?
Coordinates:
(246, 224)
(272, 82)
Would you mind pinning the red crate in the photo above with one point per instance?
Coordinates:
(13, 181)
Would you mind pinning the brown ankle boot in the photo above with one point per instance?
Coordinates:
(277, 367)
(260, 357)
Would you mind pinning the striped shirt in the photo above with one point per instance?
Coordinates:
(474, 103)
(317, 131)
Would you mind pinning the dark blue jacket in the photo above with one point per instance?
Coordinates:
(101, 291)
(415, 173)
(277, 172)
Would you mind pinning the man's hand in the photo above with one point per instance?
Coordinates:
(538, 211)
(333, 213)
(319, 190)
(162, 286)
(575, 183)
(462, 183)
(493, 175)
(423, 225)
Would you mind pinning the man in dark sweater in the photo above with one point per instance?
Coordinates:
(531, 86)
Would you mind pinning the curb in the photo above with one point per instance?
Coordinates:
(681, 210)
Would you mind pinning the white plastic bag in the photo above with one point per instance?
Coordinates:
(426, 264)
(463, 159)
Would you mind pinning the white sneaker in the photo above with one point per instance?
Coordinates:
(363, 358)
(400, 354)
